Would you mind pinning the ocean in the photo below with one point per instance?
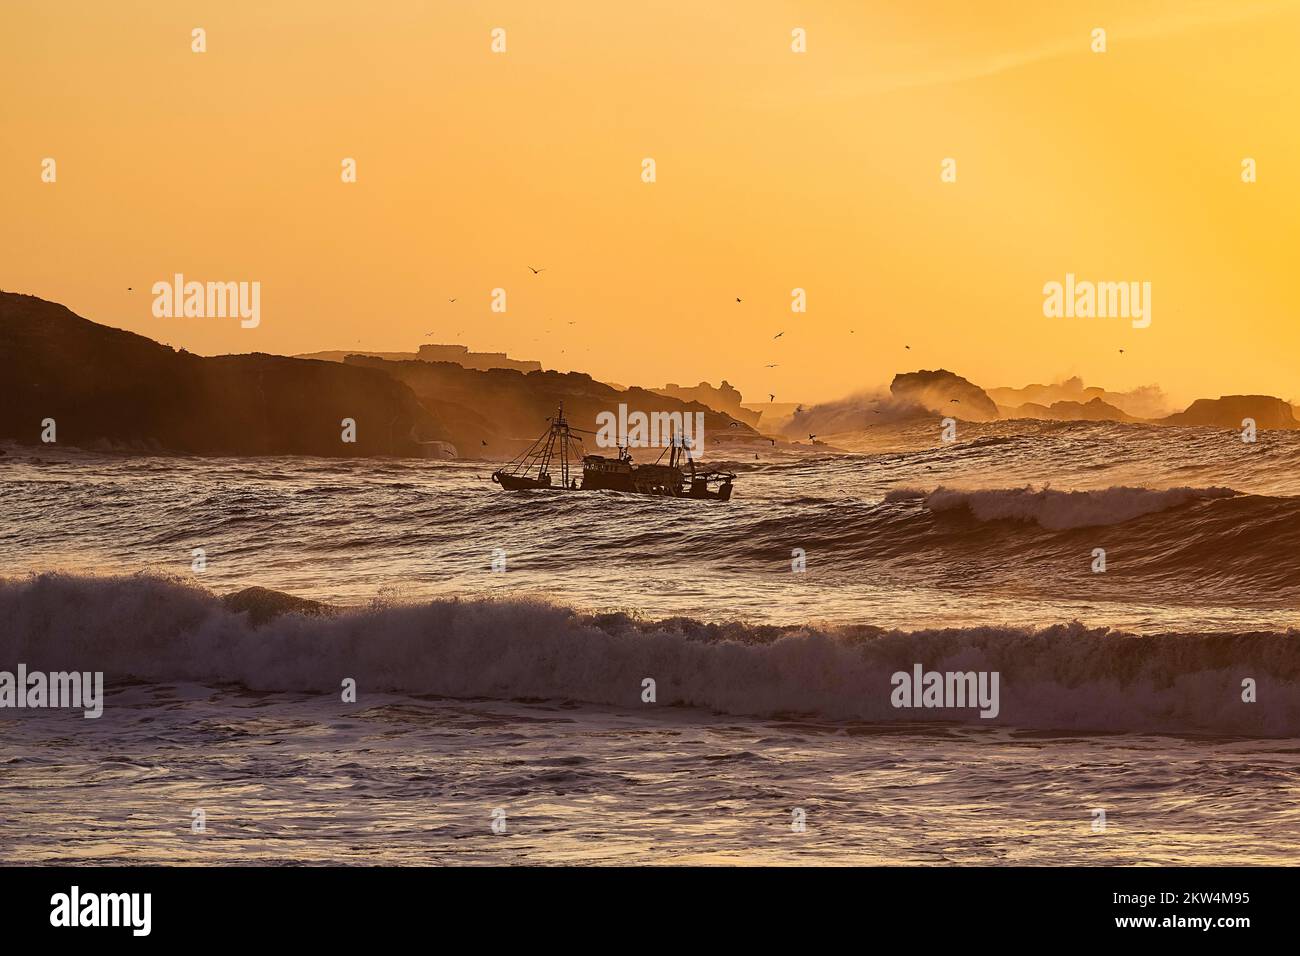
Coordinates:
(1125, 582)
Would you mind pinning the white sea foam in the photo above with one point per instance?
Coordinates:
(1060, 677)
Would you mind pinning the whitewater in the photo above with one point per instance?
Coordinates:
(500, 643)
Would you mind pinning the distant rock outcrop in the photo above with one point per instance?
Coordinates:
(946, 393)
(1229, 411)
(725, 398)
(1094, 410)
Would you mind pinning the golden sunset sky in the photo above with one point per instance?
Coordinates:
(775, 170)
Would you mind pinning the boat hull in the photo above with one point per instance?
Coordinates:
(532, 471)
(521, 482)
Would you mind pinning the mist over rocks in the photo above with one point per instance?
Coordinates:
(853, 413)
(1145, 401)
(944, 392)
(922, 394)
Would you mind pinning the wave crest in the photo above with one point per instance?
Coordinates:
(1059, 510)
(1064, 677)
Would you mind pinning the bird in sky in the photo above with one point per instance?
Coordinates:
(537, 272)
(1121, 351)
(811, 437)
(737, 298)
(778, 335)
(769, 366)
(908, 347)
(771, 397)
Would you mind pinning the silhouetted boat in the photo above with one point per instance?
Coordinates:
(558, 446)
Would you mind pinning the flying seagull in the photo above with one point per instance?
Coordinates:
(737, 298)
(537, 272)
(769, 366)
(908, 347)
(771, 397)
(811, 437)
(778, 335)
(451, 300)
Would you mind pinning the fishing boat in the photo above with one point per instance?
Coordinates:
(553, 461)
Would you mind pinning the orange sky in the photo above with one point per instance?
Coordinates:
(776, 170)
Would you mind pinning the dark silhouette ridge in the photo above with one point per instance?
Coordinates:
(505, 407)
(108, 389)
(115, 390)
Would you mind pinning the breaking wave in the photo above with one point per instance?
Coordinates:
(1060, 677)
(1060, 510)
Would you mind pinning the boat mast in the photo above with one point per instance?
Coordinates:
(561, 427)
